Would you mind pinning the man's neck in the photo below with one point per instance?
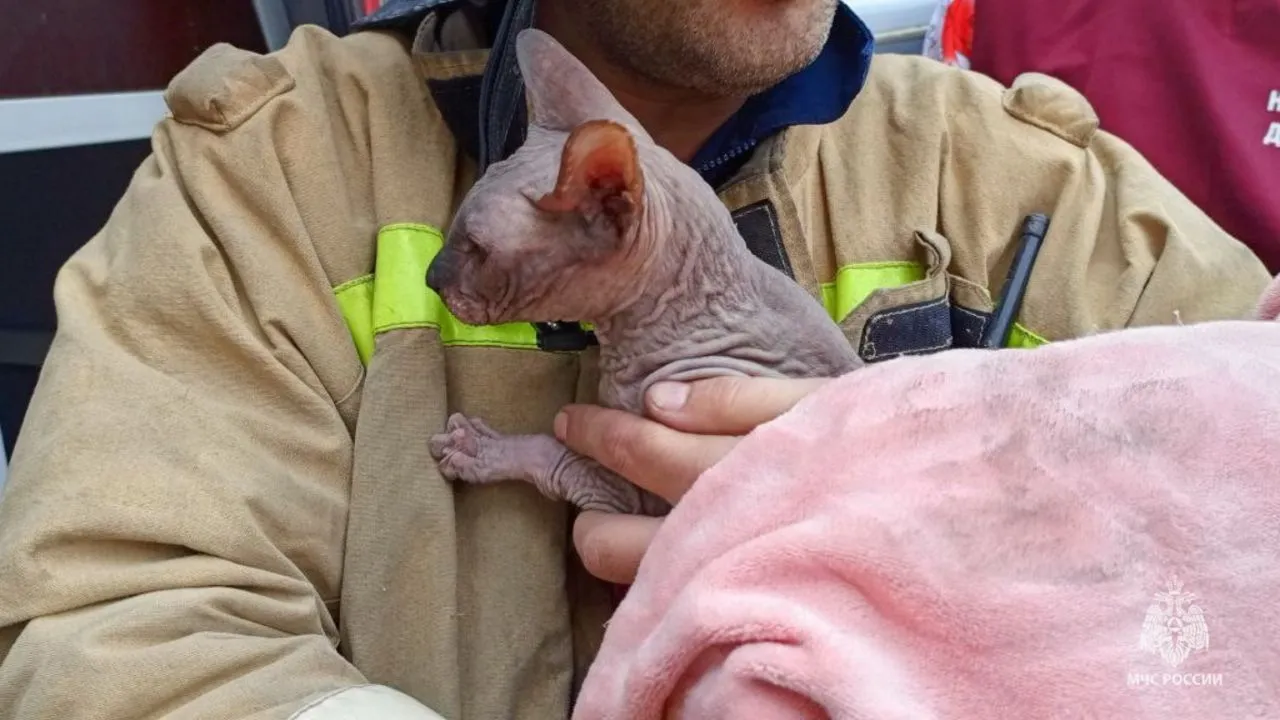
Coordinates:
(678, 119)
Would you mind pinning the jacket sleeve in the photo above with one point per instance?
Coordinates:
(171, 536)
(1124, 247)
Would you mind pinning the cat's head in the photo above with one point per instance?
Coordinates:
(567, 226)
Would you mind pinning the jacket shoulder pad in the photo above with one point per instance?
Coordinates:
(1052, 105)
(225, 86)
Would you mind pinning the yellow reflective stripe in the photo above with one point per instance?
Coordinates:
(1021, 337)
(401, 298)
(854, 283)
(396, 296)
(355, 300)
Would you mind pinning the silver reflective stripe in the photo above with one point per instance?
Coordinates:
(366, 702)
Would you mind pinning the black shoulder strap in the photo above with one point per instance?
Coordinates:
(502, 105)
(401, 15)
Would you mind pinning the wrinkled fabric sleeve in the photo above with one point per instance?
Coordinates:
(1185, 268)
(171, 537)
(1124, 247)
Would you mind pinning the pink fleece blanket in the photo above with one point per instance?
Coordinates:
(1087, 530)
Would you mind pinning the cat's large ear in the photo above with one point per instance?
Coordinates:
(600, 180)
(562, 92)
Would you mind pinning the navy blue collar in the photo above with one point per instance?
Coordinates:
(817, 95)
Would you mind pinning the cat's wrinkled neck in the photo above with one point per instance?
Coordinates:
(697, 263)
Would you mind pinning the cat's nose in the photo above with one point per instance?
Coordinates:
(443, 270)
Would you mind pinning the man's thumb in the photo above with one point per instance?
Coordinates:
(725, 405)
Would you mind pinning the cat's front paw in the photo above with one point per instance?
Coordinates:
(469, 451)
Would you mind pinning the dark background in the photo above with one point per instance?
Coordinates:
(54, 200)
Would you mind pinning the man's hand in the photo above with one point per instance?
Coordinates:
(690, 427)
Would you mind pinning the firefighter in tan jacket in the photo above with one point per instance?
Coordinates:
(222, 504)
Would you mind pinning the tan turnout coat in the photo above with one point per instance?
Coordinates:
(222, 504)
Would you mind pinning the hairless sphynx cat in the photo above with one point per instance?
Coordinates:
(591, 220)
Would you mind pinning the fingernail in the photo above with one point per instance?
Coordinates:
(560, 425)
(669, 395)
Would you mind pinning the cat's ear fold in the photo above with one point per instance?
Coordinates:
(600, 179)
(562, 92)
